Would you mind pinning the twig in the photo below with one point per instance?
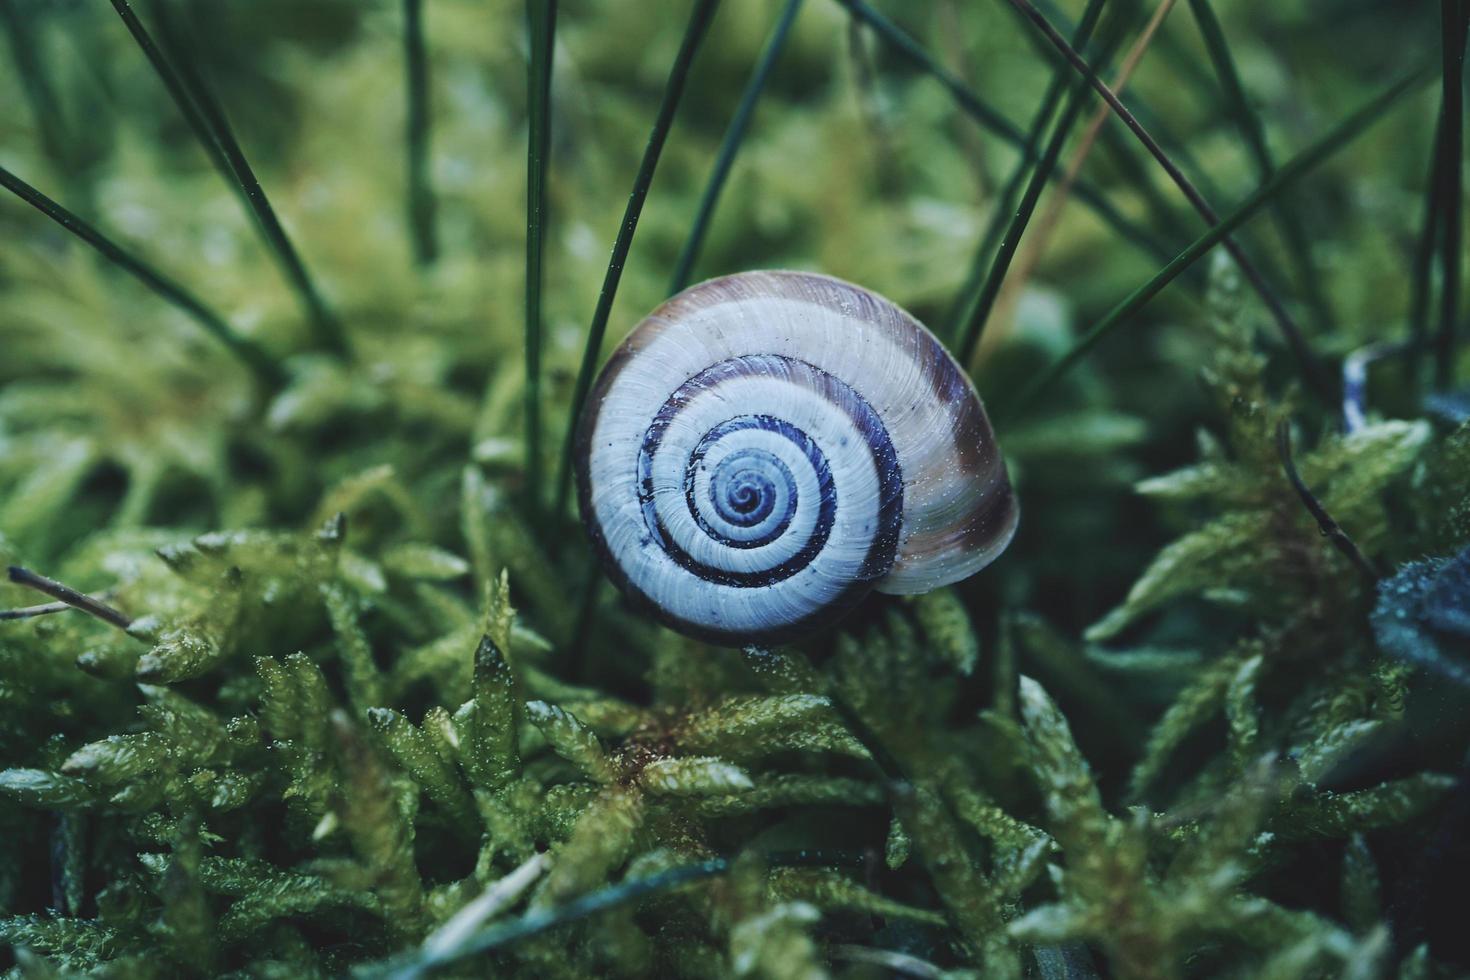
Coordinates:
(68, 596)
(1289, 329)
(44, 609)
(1330, 528)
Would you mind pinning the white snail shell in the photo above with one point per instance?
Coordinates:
(766, 448)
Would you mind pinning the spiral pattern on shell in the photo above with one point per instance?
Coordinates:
(766, 448)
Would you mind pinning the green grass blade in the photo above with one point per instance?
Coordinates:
(1451, 179)
(1124, 154)
(205, 117)
(541, 23)
(973, 313)
(416, 84)
(734, 136)
(1293, 170)
(1249, 123)
(537, 921)
(998, 124)
(699, 20)
(1421, 274)
(1311, 370)
(264, 367)
(25, 53)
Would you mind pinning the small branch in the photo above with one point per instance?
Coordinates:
(1330, 528)
(45, 608)
(67, 595)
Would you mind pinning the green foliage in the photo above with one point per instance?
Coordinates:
(330, 744)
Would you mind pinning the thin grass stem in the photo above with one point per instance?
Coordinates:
(730, 145)
(1330, 528)
(998, 124)
(699, 21)
(961, 310)
(1303, 163)
(1421, 275)
(35, 81)
(541, 24)
(968, 338)
(1451, 149)
(207, 121)
(1311, 370)
(420, 963)
(265, 368)
(1249, 124)
(1123, 153)
(421, 209)
(1043, 229)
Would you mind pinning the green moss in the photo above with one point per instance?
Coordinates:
(369, 716)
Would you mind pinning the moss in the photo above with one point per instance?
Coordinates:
(368, 716)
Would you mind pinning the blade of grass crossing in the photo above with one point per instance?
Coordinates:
(1123, 153)
(420, 963)
(699, 21)
(1297, 242)
(421, 215)
(1006, 203)
(1311, 370)
(1451, 176)
(205, 117)
(264, 367)
(977, 311)
(730, 145)
(1421, 276)
(1288, 174)
(998, 124)
(25, 53)
(541, 25)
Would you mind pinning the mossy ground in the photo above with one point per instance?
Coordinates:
(366, 716)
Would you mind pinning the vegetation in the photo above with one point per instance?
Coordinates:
(297, 320)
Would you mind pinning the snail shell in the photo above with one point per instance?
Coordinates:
(766, 448)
